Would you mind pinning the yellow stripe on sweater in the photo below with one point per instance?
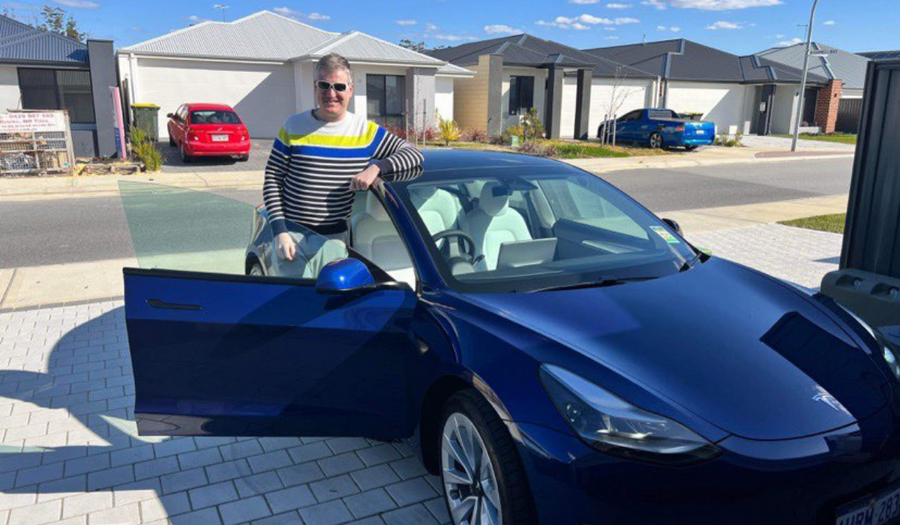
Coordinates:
(340, 141)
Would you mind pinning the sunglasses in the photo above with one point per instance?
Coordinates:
(339, 87)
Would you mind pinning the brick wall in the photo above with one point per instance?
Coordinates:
(827, 104)
(470, 97)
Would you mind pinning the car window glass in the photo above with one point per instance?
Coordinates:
(214, 116)
(199, 231)
(530, 232)
(375, 238)
(662, 114)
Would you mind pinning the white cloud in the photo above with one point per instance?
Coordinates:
(619, 6)
(779, 36)
(830, 23)
(791, 42)
(673, 29)
(405, 22)
(79, 4)
(581, 22)
(500, 29)
(611, 38)
(452, 38)
(711, 5)
(430, 27)
(196, 19)
(292, 13)
(724, 25)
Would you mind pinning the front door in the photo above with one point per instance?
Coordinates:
(766, 98)
(218, 352)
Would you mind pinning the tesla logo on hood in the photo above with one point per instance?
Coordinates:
(823, 396)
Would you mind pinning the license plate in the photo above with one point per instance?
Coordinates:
(881, 509)
(701, 132)
(220, 138)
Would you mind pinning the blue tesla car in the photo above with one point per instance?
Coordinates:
(559, 354)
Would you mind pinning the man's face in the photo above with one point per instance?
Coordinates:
(333, 103)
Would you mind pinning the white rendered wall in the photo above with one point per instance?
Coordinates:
(443, 97)
(10, 96)
(784, 109)
(723, 104)
(540, 80)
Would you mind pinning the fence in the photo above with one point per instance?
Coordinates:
(35, 143)
(869, 279)
(849, 115)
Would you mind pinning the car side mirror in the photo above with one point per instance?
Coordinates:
(170, 115)
(345, 276)
(674, 225)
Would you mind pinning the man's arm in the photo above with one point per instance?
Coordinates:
(276, 170)
(393, 154)
(396, 154)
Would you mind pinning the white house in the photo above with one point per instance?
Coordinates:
(263, 66)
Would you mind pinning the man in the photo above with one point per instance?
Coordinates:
(319, 159)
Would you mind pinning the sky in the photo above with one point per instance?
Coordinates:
(737, 26)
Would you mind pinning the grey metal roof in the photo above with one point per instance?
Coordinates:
(686, 60)
(850, 68)
(530, 51)
(260, 36)
(356, 46)
(20, 43)
(450, 69)
(881, 55)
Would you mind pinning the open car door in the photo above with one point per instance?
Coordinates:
(221, 353)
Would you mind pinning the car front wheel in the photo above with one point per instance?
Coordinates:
(484, 481)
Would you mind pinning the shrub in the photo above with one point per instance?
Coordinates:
(450, 131)
(727, 141)
(515, 131)
(413, 134)
(537, 149)
(474, 135)
(532, 126)
(144, 148)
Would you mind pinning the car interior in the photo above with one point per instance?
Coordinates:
(490, 228)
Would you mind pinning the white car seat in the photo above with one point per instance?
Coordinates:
(492, 223)
(439, 209)
(376, 239)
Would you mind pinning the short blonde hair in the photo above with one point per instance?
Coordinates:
(333, 62)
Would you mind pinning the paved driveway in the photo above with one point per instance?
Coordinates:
(758, 141)
(259, 155)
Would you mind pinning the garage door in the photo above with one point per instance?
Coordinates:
(616, 97)
(724, 104)
(263, 95)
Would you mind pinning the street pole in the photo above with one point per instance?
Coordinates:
(812, 18)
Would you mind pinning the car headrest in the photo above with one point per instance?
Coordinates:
(422, 193)
(375, 209)
(494, 199)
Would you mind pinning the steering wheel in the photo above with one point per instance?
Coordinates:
(467, 246)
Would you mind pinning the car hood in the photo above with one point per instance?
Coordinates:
(734, 347)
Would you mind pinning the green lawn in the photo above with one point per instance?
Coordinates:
(841, 138)
(568, 150)
(825, 223)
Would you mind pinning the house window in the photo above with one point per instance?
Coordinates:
(521, 95)
(58, 89)
(386, 98)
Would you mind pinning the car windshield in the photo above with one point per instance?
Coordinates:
(214, 116)
(538, 229)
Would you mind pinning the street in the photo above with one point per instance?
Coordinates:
(82, 229)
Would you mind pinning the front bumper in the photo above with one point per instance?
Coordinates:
(202, 149)
(797, 482)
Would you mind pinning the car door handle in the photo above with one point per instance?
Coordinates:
(162, 305)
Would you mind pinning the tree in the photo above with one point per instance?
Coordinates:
(56, 20)
(419, 47)
(619, 94)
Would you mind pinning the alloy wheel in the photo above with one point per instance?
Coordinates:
(656, 141)
(470, 483)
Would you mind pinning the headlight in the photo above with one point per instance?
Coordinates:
(613, 425)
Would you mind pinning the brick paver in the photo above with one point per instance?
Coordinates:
(69, 450)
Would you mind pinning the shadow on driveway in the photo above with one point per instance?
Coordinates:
(259, 155)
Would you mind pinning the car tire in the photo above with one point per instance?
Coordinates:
(185, 158)
(690, 147)
(655, 141)
(505, 491)
(243, 158)
(172, 141)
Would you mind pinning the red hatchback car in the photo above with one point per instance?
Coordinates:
(207, 130)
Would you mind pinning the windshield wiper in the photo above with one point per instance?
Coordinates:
(600, 283)
(691, 262)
